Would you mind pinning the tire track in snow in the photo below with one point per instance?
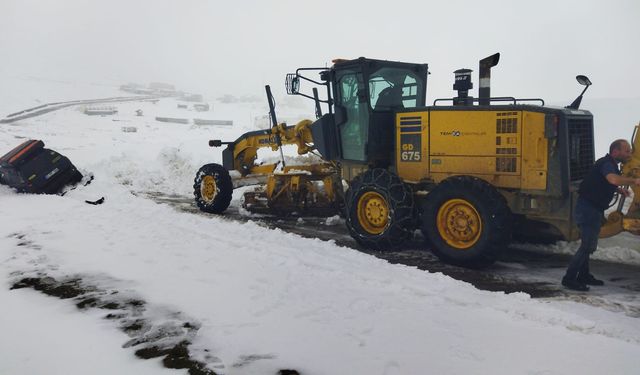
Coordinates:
(154, 331)
(169, 337)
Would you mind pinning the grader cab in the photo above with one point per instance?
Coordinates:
(470, 173)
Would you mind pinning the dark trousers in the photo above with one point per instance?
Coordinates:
(589, 220)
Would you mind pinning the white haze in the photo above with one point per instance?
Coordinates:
(237, 47)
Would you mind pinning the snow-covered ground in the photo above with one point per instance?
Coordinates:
(260, 300)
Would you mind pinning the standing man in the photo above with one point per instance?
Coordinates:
(595, 193)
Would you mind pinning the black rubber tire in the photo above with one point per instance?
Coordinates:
(494, 216)
(223, 186)
(401, 220)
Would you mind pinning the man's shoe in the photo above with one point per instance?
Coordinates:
(574, 285)
(590, 280)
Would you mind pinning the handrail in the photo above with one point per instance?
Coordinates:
(495, 99)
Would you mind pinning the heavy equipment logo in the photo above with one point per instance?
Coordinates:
(458, 133)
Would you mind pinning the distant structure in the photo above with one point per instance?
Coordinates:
(134, 88)
(197, 121)
(173, 120)
(100, 111)
(160, 89)
(160, 86)
(192, 97)
(201, 107)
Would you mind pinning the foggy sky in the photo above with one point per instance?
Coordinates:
(237, 47)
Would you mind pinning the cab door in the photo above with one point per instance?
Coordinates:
(352, 102)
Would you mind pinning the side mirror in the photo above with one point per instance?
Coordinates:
(583, 80)
(292, 83)
(218, 143)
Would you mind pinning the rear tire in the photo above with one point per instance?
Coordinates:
(466, 221)
(379, 210)
(212, 188)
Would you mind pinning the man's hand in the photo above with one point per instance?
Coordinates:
(624, 192)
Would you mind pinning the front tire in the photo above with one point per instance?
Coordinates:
(212, 188)
(467, 221)
(379, 210)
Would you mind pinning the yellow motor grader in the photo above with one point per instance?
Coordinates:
(470, 173)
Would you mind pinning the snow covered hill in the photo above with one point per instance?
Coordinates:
(141, 277)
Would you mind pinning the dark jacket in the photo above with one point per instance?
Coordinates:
(595, 188)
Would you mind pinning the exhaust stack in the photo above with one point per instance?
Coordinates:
(484, 92)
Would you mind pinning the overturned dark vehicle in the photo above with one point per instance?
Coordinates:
(31, 168)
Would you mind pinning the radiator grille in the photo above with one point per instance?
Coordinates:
(506, 122)
(505, 164)
(506, 151)
(581, 148)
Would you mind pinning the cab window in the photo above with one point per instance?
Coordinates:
(394, 88)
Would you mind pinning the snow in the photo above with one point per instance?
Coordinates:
(263, 299)
(46, 335)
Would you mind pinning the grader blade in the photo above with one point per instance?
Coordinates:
(305, 190)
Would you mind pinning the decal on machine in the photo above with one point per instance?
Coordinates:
(458, 133)
(410, 146)
(411, 139)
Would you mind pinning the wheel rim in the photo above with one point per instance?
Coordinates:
(208, 189)
(373, 212)
(459, 223)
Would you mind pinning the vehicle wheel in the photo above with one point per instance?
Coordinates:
(466, 221)
(379, 210)
(212, 188)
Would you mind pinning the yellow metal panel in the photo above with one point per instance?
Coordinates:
(534, 152)
(480, 143)
(506, 148)
(412, 145)
(467, 165)
(474, 133)
(510, 182)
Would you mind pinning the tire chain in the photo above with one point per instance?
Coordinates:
(225, 186)
(401, 209)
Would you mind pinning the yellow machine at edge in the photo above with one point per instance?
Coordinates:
(470, 173)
